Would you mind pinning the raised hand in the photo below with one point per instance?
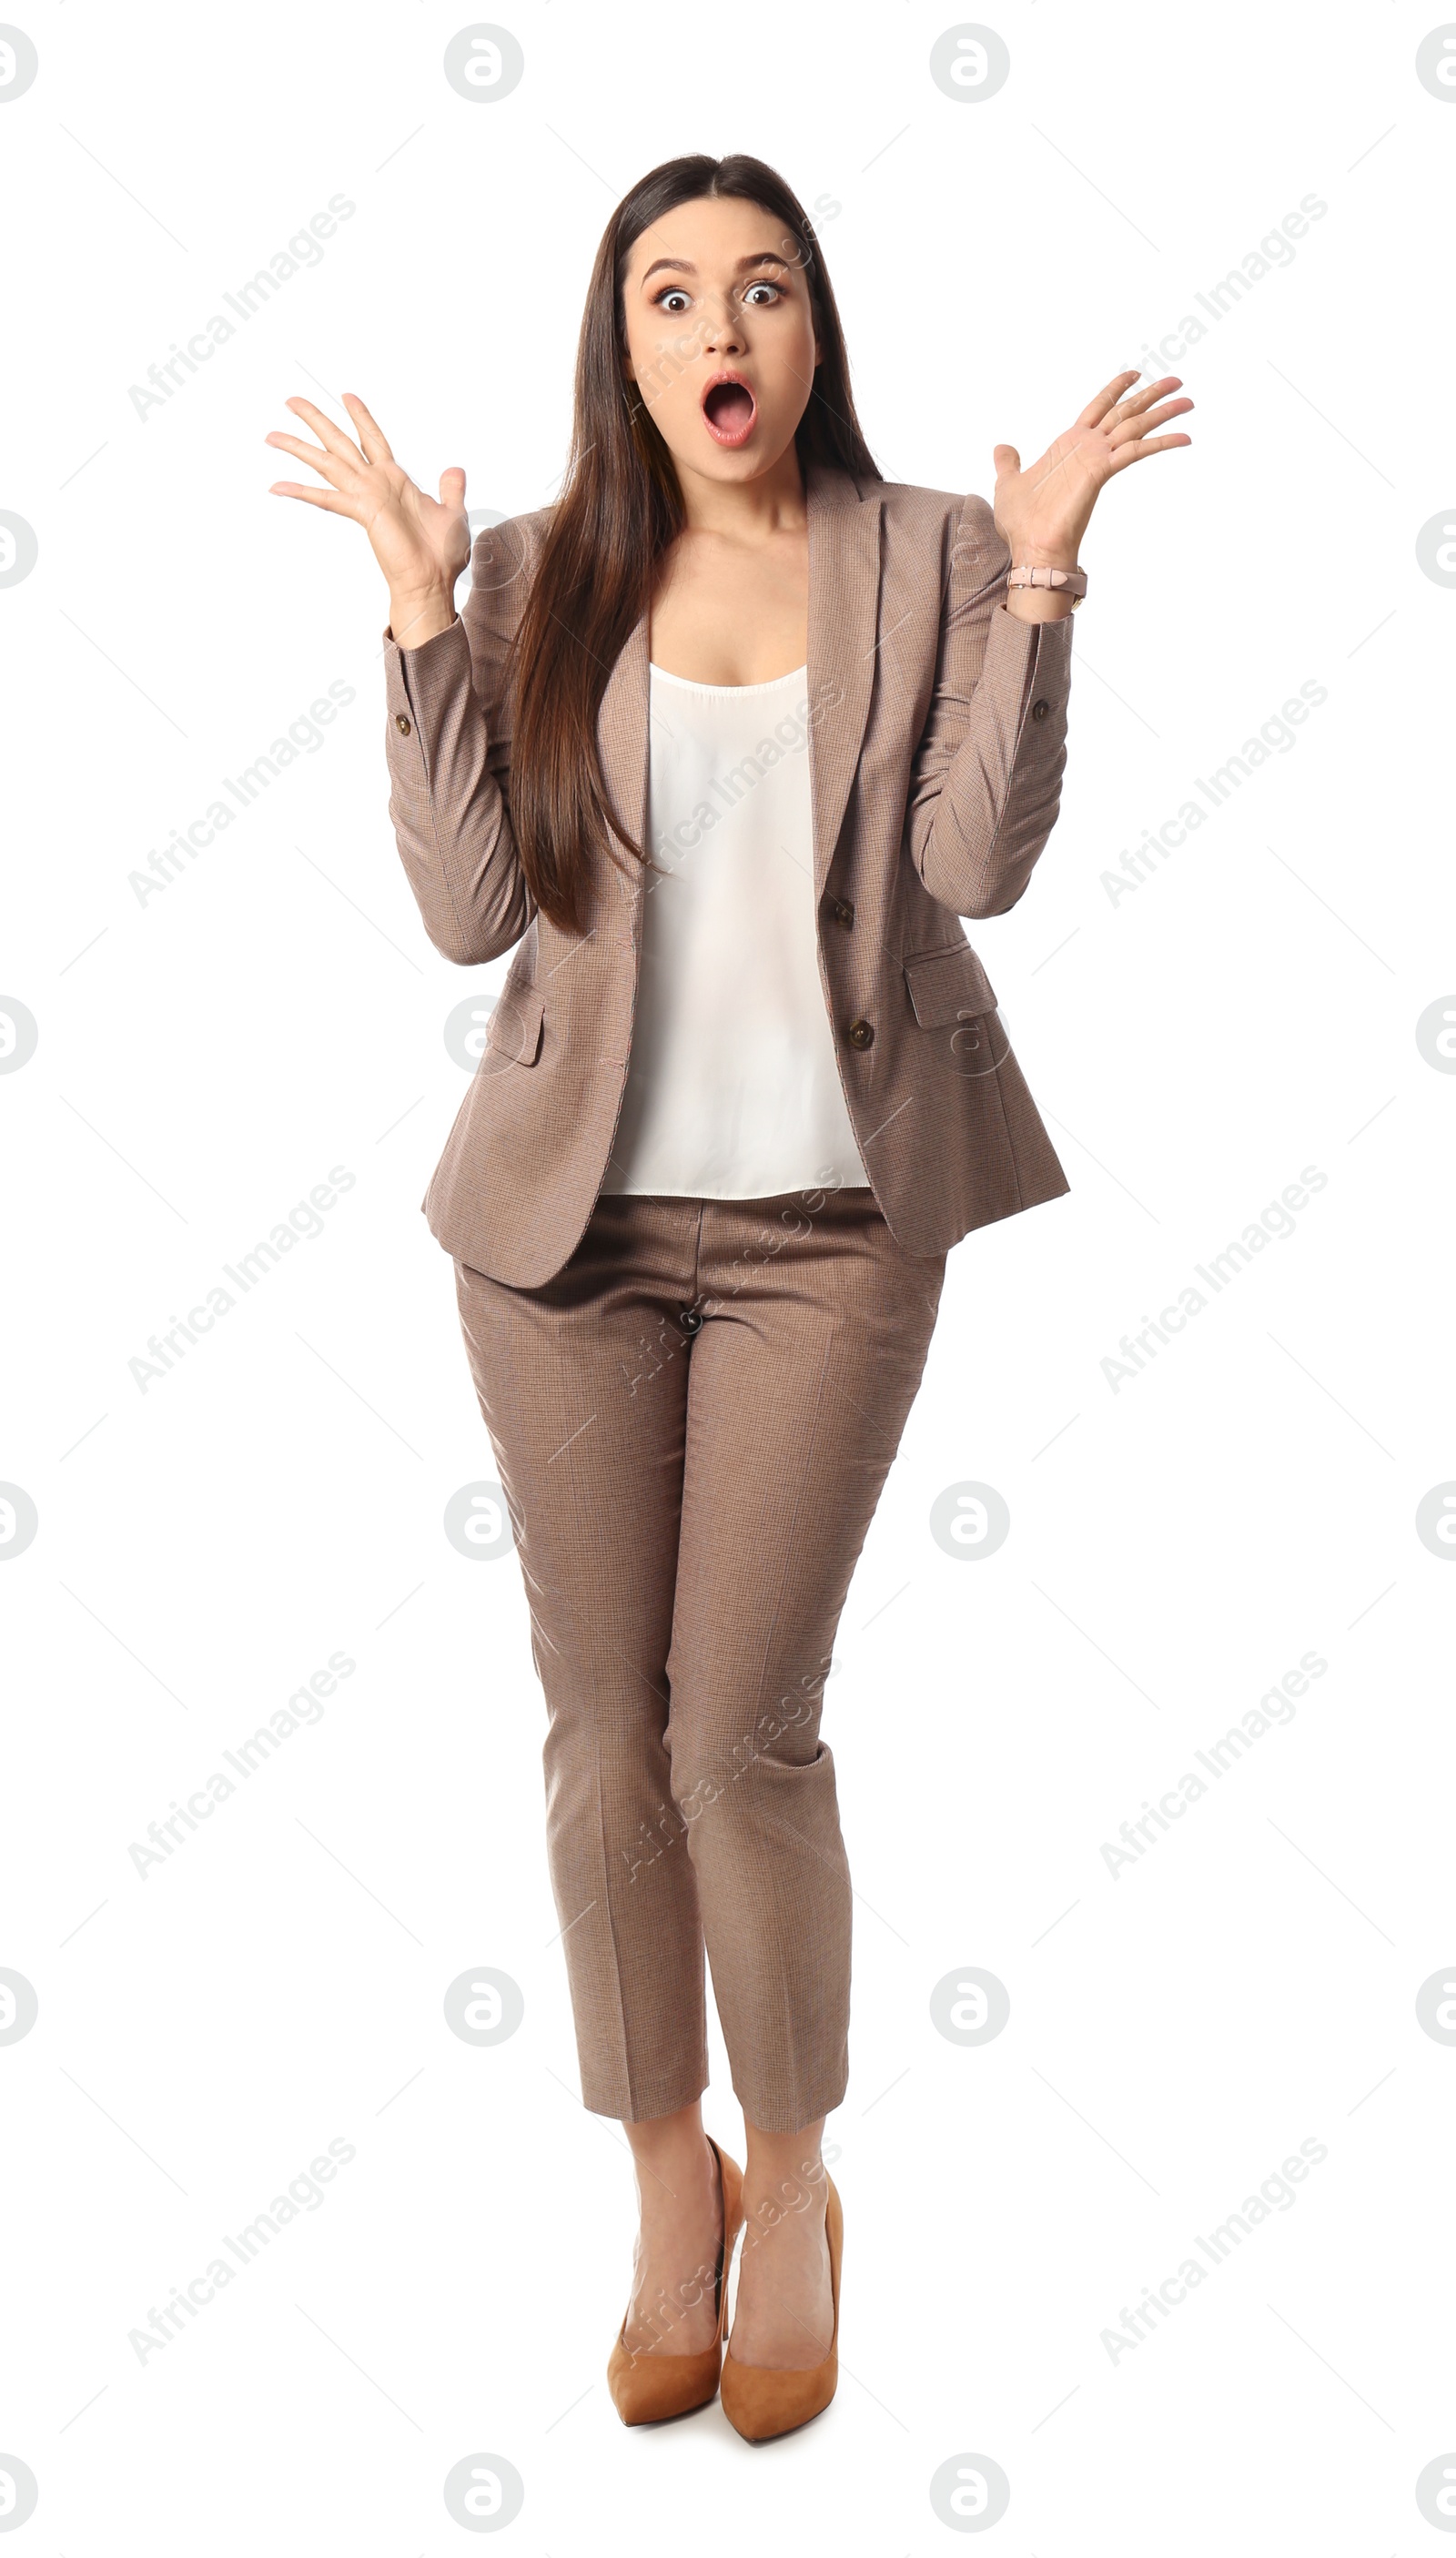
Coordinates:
(420, 543)
(1042, 511)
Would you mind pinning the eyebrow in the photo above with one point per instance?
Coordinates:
(685, 266)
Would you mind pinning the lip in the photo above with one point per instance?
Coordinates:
(730, 440)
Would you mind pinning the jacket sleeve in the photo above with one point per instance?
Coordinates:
(448, 743)
(986, 782)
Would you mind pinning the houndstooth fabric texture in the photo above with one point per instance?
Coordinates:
(936, 745)
(692, 1422)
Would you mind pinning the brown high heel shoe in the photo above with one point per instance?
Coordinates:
(646, 2385)
(758, 2402)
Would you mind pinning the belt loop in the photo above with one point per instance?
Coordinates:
(698, 1247)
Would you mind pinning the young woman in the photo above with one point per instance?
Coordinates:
(725, 740)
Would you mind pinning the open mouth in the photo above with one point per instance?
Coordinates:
(729, 409)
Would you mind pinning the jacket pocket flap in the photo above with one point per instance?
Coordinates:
(948, 986)
(515, 1026)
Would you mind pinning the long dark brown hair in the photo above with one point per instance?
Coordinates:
(620, 510)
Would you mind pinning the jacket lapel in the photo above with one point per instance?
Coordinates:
(843, 614)
(843, 611)
(621, 742)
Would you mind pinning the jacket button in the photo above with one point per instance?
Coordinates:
(862, 1034)
(1039, 710)
(402, 724)
(843, 910)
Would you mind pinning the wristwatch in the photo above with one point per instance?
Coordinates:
(1065, 581)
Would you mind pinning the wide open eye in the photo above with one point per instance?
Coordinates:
(673, 299)
(764, 285)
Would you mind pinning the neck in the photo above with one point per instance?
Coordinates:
(746, 510)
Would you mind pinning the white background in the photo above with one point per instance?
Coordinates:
(206, 1056)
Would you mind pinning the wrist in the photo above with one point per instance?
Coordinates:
(1043, 555)
(418, 614)
(1044, 590)
(1036, 604)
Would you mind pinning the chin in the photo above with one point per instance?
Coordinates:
(745, 462)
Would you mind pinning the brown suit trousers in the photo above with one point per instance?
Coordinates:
(692, 1422)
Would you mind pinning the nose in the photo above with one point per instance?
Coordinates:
(722, 328)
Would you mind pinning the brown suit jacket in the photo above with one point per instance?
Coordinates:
(937, 747)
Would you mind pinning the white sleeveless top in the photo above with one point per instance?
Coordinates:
(732, 1088)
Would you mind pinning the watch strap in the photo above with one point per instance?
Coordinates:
(1063, 581)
